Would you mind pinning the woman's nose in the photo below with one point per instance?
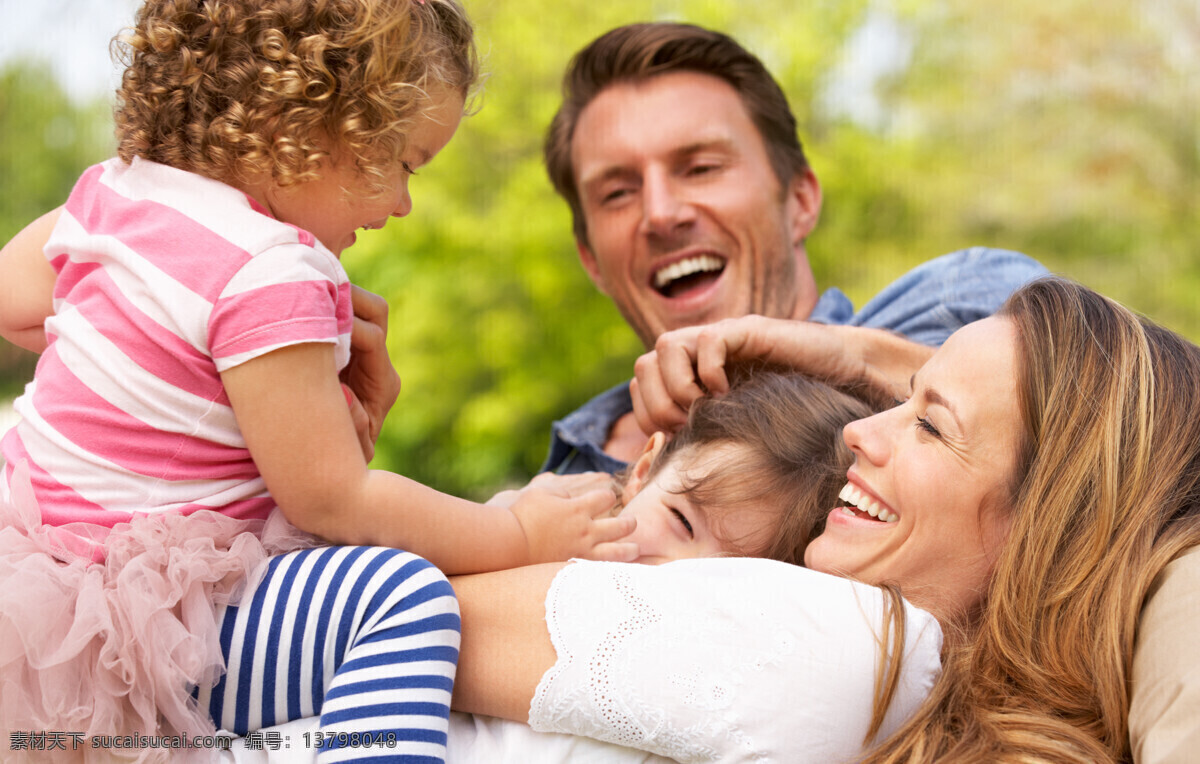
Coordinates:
(868, 438)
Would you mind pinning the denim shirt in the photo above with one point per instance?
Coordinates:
(927, 305)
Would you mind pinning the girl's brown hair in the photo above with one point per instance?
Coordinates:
(1108, 492)
(790, 459)
(231, 89)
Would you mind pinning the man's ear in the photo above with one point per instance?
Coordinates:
(803, 204)
(641, 468)
(589, 264)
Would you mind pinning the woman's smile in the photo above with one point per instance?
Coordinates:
(859, 503)
(927, 501)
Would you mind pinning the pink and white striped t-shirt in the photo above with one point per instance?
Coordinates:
(165, 279)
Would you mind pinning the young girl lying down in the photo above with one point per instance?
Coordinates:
(752, 474)
(644, 658)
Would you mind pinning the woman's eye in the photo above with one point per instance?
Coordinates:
(684, 521)
(408, 168)
(925, 425)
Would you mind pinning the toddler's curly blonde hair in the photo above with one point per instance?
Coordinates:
(233, 89)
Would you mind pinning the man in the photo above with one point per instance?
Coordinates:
(692, 199)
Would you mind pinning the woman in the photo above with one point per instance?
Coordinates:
(1044, 467)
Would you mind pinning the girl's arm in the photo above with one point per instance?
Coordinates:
(293, 415)
(27, 285)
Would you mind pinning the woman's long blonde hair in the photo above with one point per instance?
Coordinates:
(1108, 493)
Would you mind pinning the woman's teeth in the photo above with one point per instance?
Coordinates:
(851, 495)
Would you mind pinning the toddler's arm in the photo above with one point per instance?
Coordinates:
(292, 412)
(27, 285)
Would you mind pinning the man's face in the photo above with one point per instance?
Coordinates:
(686, 220)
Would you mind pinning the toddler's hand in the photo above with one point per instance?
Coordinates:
(565, 516)
(370, 374)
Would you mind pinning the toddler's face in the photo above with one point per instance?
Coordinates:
(323, 208)
(671, 527)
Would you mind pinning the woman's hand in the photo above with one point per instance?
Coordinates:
(369, 380)
(565, 516)
(690, 362)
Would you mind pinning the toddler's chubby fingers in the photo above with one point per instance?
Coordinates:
(613, 528)
(622, 551)
(600, 503)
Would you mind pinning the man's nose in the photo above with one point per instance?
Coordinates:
(664, 207)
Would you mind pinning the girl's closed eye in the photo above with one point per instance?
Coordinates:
(687, 526)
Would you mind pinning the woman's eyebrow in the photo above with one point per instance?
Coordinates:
(934, 398)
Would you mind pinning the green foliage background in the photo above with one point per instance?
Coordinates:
(1067, 130)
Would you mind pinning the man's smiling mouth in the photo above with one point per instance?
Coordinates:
(687, 274)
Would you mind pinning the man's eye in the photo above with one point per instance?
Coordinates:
(687, 526)
(613, 195)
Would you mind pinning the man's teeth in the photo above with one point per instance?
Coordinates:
(686, 267)
(851, 495)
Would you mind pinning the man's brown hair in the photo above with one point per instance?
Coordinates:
(641, 51)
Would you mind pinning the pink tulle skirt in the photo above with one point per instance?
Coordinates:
(114, 647)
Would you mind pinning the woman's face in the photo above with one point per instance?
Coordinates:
(938, 469)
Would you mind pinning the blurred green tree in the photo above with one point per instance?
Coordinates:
(1068, 130)
(45, 142)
